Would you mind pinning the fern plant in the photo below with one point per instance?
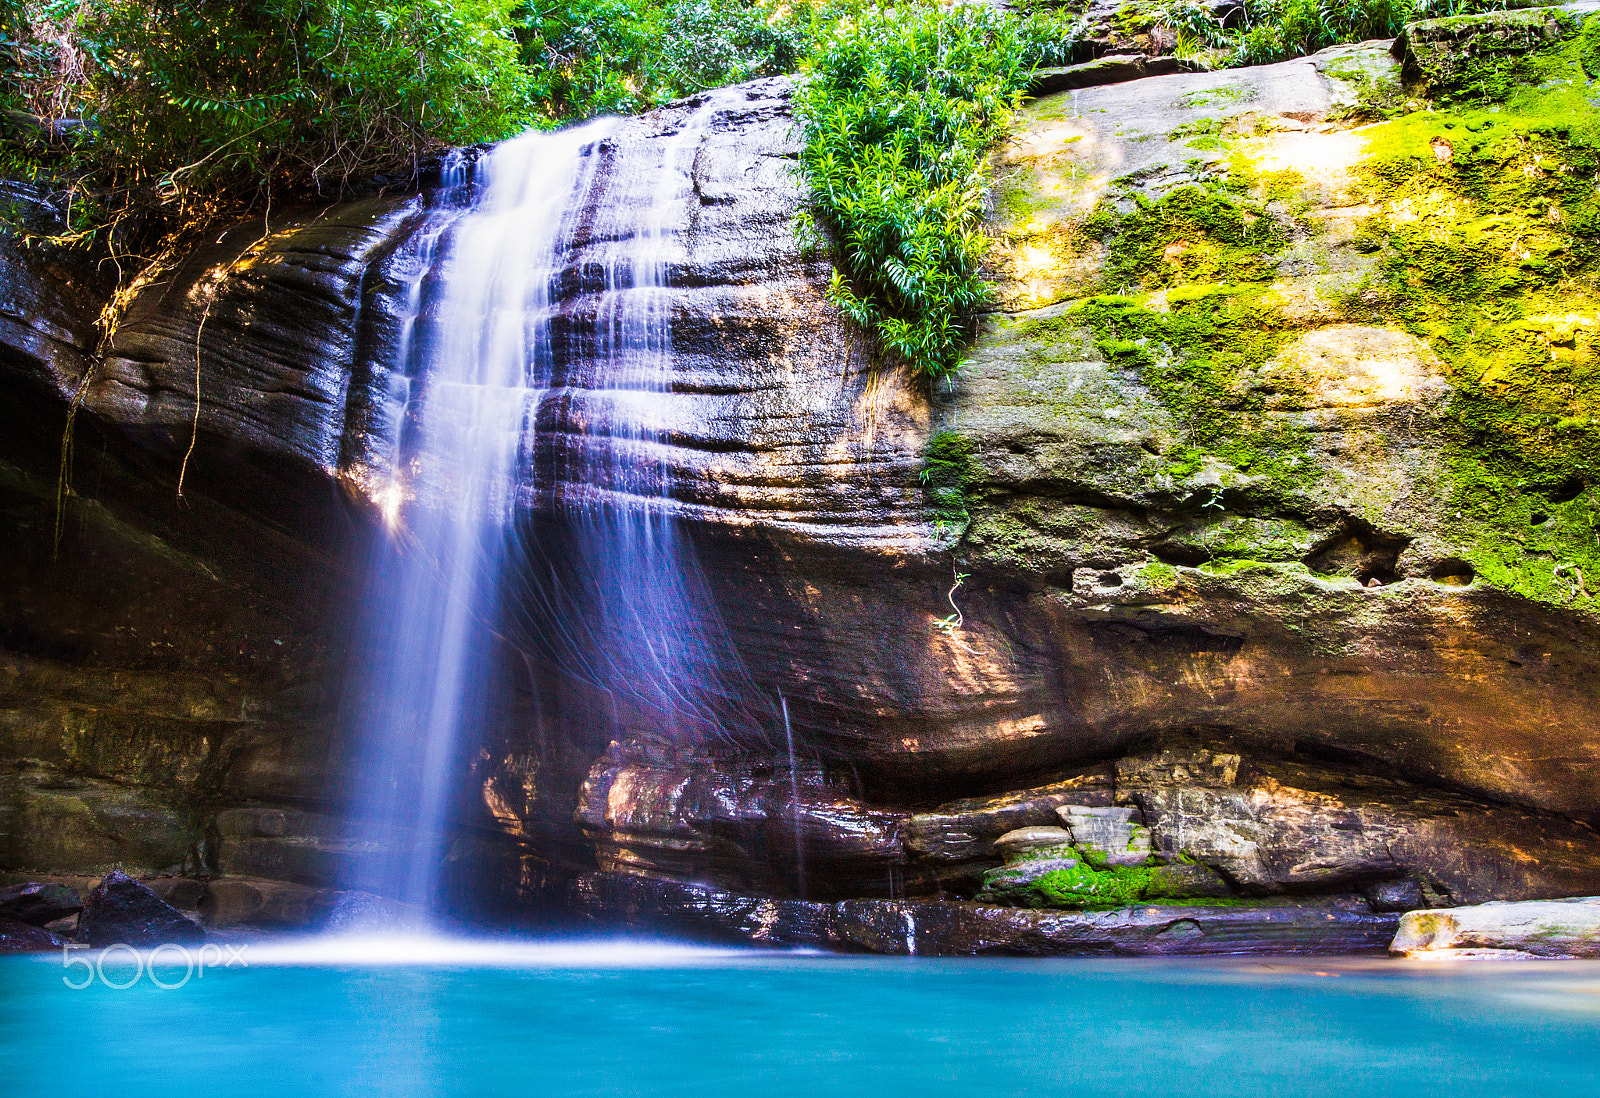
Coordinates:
(899, 114)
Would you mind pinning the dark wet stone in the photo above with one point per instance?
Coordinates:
(121, 910)
(366, 913)
(735, 821)
(183, 893)
(19, 937)
(37, 904)
(1112, 69)
(1402, 895)
(1328, 925)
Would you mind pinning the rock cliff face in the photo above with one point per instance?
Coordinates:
(1193, 535)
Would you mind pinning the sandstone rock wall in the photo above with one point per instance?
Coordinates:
(1114, 585)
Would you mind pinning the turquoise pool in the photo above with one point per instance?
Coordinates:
(574, 1018)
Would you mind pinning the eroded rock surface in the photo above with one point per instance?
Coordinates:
(1256, 623)
(124, 911)
(37, 903)
(1548, 928)
(20, 937)
(941, 928)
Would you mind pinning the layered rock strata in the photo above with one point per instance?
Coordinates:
(1265, 619)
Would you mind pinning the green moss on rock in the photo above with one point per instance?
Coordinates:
(1488, 54)
(1490, 225)
(1482, 246)
(1197, 355)
(1087, 886)
(948, 468)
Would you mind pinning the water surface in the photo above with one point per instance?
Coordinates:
(656, 1019)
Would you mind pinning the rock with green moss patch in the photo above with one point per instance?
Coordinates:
(1107, 836)
(1085, 885)
(1014, 882)
(1546, 928)
(1460, 52)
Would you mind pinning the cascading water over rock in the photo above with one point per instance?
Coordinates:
(527, 382)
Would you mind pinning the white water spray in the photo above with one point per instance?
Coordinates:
(537, 370)
(473, 356)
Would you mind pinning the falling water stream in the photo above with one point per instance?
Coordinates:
(532, 375)
(794, 801)
(472, 357)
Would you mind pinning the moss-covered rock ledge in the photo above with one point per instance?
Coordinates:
(1290, 417)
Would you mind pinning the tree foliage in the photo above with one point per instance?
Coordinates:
(593, 57)
(1264, 31)
(207, 94)
(900, 113)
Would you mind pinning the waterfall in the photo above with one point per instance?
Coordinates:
(471, 358)
(530, 383)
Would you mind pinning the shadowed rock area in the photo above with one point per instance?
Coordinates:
(1256, 619)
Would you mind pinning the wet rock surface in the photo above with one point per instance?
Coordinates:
(123, 910)
(1111, 69)
(1275, 825)
(37, 904)
(750, 823)
(20, 937)
(1303, 693)
(936, 928)
(1545, 928)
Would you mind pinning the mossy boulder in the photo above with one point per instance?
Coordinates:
(1060, 880)
(1464, 52)
(1286, 421)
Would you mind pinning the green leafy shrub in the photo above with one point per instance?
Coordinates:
(194, 111)
(202, 94)
(591, 57)
(899, 115)
(1277, 30)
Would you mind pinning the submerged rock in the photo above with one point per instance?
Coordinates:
(123, 911)
(1531, 928)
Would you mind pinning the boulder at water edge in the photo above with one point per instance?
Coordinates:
(120, 910)
(19, 937)
(37, 904)
(1533, 928)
